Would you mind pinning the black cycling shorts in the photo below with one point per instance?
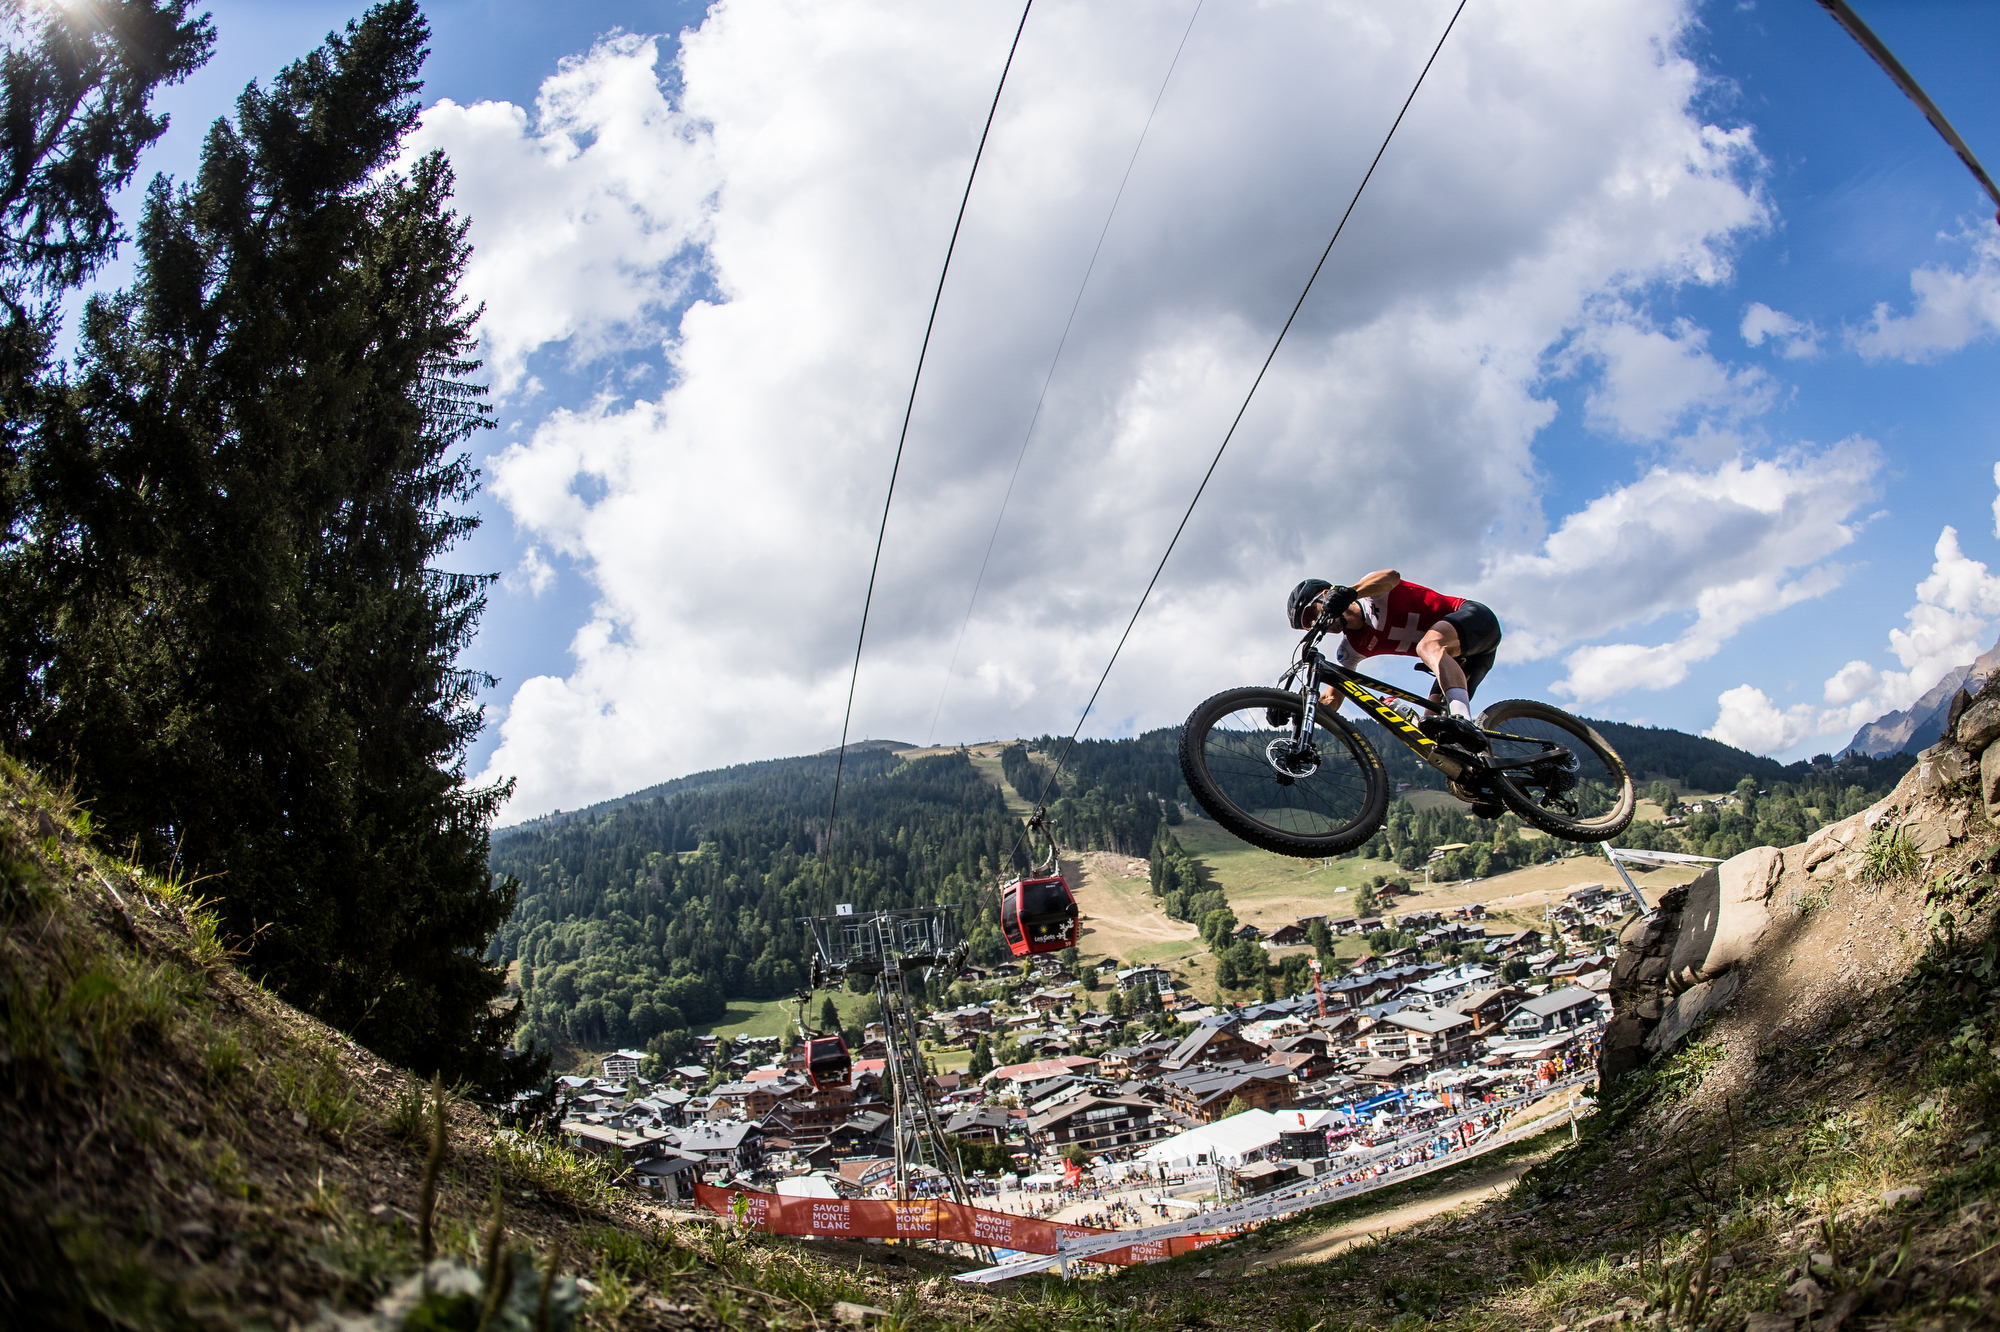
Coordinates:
(1478, 642)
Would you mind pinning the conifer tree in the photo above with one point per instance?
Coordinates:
(254, 668)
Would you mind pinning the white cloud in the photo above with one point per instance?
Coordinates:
(1750, 720)
(1657, 381)
(533, 575)
(812, 164)
(1950, 624)
(584, 230)
(1954, 308)
(1796, 339)
(1731, 544)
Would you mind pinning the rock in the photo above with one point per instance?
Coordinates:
(1980, 726)
(1725, 918)
(1897, 1197)
(1806, 1291)
(1831, 840)
(857, 1315)
(1959, 703)
(1769, 1322)
(1989, 781)
(1929, 836)
(1686, 1010)
(1629, 1302)
(1599, 1323)
(1940, 768)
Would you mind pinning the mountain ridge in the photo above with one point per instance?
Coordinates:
(1922, 724)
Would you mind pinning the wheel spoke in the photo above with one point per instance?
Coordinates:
(1322, 798)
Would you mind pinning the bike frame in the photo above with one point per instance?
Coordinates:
(1367, 692)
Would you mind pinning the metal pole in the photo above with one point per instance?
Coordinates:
(1611, 854)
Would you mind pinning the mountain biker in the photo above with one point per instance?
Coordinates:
(1455, 638)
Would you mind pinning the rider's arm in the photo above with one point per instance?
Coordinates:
(1378, 584)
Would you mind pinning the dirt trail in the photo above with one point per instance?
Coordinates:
(1115, 895)
(1482, 1187)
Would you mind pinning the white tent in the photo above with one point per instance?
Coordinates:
(1228, 1141)
(806, 1186)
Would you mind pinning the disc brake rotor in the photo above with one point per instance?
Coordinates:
(1292, 759)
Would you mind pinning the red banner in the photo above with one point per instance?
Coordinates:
(882, 1218)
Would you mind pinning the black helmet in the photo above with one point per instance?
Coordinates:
(1302, 596)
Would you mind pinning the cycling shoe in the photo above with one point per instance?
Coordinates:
(1455, 731)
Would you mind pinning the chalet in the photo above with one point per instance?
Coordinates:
(1488, 1008)
(1219, 1044)
(1204, 1094)
(1577, 968)
(1249, 932)
(734, 1145)
(671, 1175)
(1133, 977)
(983, 1123)
(1403, 957)
(1344, 925)
(1022, 1078)
(623, 1065)
(1099, 1123)
(1136, 1061)
(1445, 988)
(1288, 936)
(1420, 1033)
(974, 975)
(1473, 911)
(1558, 1010)
(603, 1139)
(1047, 1001)
(1388, 1073)
(1514, 945)
(863, 1133)
(754, 1100)
(1584, 896)
(1415, 922)
(1368, 925)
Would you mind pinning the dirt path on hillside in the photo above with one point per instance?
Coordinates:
(1115, 895)
(1482, 1187)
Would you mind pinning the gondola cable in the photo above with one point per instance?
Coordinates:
(1873, 45)
(1035, 417)
(1061, 759)
(909, 407)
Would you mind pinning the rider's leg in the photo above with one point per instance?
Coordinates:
(1439, 650)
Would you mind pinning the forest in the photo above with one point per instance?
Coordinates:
(640, 923)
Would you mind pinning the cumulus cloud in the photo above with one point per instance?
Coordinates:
(1953, 308)
(584, 232)
(802, 181)
(1950, 624)
(1795, 339)
(1730, 544)
(1657, 381)
(1750, 720)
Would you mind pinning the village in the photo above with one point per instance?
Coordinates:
(1118, 1077)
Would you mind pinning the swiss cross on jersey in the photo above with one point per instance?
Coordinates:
(1395, 623)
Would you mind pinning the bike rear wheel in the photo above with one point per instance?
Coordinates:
(1589, 802)
(1321, 802)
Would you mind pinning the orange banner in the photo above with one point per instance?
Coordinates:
(882, 1218)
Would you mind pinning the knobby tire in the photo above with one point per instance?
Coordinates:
(1602, 769)
(1337, 808)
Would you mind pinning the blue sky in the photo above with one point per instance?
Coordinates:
(1623, 339)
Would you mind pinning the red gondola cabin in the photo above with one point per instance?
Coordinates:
(1038, 915)
(827, 1062)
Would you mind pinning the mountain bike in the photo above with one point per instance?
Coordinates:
(1287, 773)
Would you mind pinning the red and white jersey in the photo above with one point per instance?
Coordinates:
(1396, 622)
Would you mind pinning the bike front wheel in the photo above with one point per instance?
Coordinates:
(1323, 797)
(1580, 791)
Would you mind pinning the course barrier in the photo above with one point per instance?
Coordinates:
(927, 1218)
(1090, 1245)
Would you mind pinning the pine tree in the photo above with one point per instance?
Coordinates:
(76, 90)
(254, 666)
(829, 1015)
